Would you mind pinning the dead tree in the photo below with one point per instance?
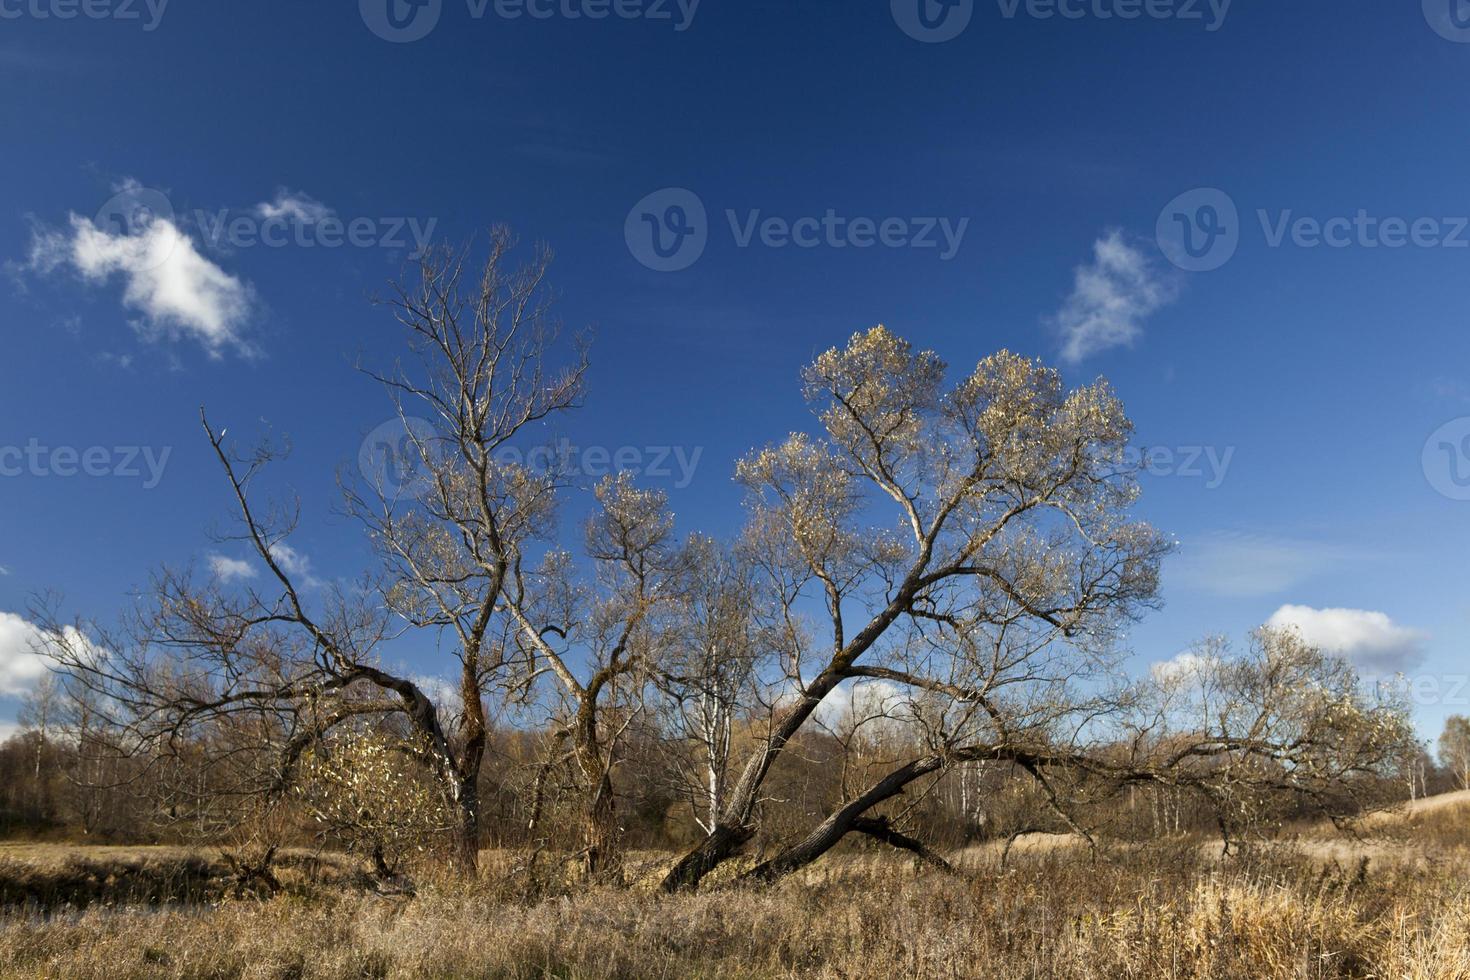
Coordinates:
(301, 658)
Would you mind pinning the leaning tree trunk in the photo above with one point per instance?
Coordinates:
(845, 820)
(733, 828)
(719, 845)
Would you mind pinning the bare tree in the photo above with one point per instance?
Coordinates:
(707, 679)
(613, 619)
(987, 608)
(277, 668)
(1281, 722)
(472, 554)
(1011, 533)
(452, 538)
(40, 711)
(1454, 748)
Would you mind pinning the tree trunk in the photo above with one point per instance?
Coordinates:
(733, 825)
(600, 837)
(880, 828)
(826, 834)
(720, 844)
(467, 833)
(600, 832)
(467, 788)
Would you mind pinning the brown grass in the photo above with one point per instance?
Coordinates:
(1165, 911)
(44, 878)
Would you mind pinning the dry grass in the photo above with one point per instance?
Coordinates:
(1164, 911)
(42, 878)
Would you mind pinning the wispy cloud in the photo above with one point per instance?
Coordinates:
(1370, 640)
(295, 206)
(230, 569)
(294, 563)
(1240, 565)
(177, 291)
(1111, 297)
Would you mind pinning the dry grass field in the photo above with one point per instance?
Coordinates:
(1394, 904)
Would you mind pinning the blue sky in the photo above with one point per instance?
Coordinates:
(998, 178)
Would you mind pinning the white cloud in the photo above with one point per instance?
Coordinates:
(443, 693)
(4, 570)
(20, 665)
(1110, 297)
(1244, 565)
(295, 207)
(293, 562)
(178, 291)
(1370, 640)
(877, 705)
(230, 569)
(1182, 668)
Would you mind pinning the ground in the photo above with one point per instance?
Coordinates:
(1395, 903)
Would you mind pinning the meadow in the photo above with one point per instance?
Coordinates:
(1391, 901)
